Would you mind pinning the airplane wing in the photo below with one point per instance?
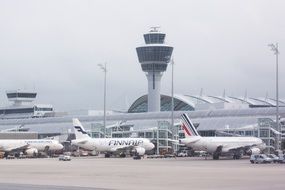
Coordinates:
(234, 148)
(82, 141)
(123, 148)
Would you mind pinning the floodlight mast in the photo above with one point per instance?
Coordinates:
(172, 105)
(274, 48)
(104, 69)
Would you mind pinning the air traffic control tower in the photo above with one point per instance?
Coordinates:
(154, 57)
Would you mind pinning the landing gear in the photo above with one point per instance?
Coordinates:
(236, 156)
(137, 157)
(122, 155)
(107, 155)
(217, 153)
(216, 156)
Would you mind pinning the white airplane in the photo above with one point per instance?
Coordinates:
(217, 146)
(29, 146)
(109, 145)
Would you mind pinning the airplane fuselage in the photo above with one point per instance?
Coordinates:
(39, 144)
(210, 144)
(112, 144)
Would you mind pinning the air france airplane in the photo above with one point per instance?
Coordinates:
(29, 146)
(109, 145)
(218, 146)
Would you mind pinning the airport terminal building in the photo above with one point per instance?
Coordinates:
(214, 116)
(150, 115)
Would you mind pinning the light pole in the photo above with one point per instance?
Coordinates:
(104, 69)
(274, 48)
(172, 103)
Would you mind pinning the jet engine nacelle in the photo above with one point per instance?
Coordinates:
(253, 151)
(140, 151)
(31, 151)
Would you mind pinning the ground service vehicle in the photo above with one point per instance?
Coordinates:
(260, 158)
(274, 158)
(182, 154)
(281, 158)
(64, 158)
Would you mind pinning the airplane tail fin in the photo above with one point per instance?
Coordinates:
(79, 131)
(188, 127)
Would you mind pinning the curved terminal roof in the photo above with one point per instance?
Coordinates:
(190, 102)
(207, 119)
(181, 103)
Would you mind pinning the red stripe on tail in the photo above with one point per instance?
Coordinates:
(186, 130)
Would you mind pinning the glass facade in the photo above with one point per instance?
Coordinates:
(154, 67)
(140, 105)
(154, 54)
(42, 109)
(154, 38)
(21, 95)
(17, 111)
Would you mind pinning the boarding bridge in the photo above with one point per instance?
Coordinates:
(97, 130)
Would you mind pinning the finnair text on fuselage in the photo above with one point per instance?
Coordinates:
(125, 142)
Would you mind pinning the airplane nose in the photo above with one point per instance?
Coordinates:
(60, 146)
(152, 146)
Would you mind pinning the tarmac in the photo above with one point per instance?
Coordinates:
(93, 173)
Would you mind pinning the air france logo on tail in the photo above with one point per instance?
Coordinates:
(188, 126)
(79, 129)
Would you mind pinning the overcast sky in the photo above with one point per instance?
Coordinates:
(53, 47)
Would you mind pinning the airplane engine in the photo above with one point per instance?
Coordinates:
(253, 151)
(140, 151)
(31, 151)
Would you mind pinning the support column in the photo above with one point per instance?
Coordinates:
(153, 98)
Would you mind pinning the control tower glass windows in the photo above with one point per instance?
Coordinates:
(154, 54)
(154, 38)
(17, 111)
(154, 67)
(21, 95)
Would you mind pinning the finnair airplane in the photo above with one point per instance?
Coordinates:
(217, 146)
(109, 145)
(30, 146)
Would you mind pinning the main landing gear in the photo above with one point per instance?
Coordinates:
(216, 156)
